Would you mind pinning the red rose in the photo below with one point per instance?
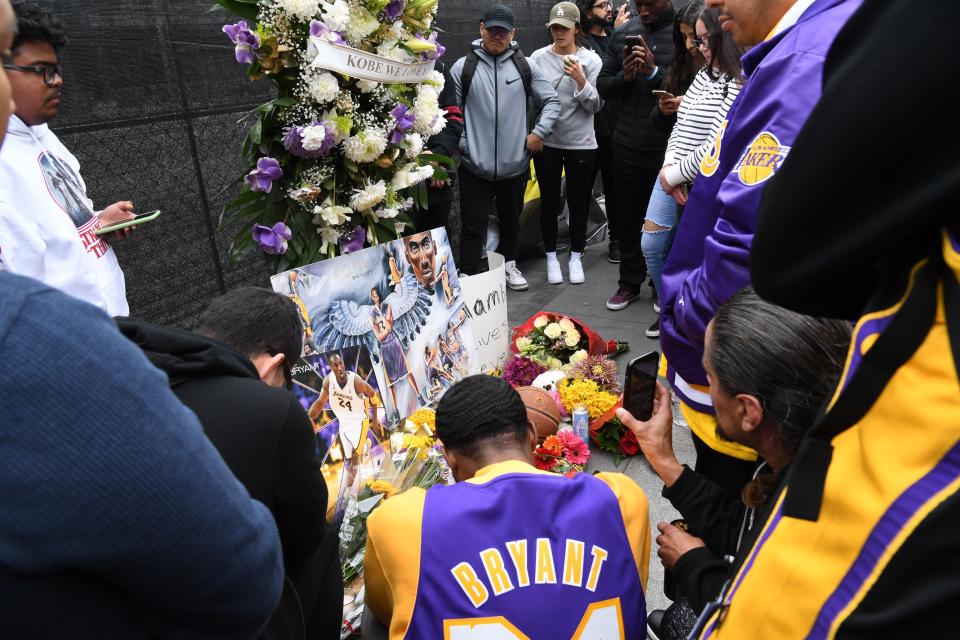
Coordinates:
(545, 463)
(628, 444)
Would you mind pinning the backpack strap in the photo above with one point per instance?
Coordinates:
(466, 75)
(526, 76)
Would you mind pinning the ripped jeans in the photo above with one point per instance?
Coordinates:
(662, 211)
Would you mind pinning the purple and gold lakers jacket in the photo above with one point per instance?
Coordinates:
(512, 553)
(709, 260)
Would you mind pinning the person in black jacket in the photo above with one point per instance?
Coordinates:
(445, 143)
(770, 371)
(232, 372)
(638, 148)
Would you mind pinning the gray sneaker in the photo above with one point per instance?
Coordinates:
(515, 279)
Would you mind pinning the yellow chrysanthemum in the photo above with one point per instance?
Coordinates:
(587, 393)
(384, 487)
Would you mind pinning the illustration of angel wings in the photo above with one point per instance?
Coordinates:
(348, 323)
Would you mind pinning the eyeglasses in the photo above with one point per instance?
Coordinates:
(48, 71)
(700, 42)
(603, 5)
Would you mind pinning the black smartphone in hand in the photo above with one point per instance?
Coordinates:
(640, 385)
(633, 41)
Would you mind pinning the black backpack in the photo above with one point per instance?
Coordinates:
(526, 77)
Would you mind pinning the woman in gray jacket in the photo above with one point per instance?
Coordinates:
(571, 146)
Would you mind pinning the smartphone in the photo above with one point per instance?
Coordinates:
(662, 94)
(633, 41)
(640, 385)
(140, 218)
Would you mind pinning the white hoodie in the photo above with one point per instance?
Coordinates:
(47, 223)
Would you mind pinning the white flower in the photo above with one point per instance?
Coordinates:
(413, 144)
(340, 124)
(302, 9)
(366, 146)
(369, 196)
(567, 325)
(323, 87)
(523, 342)
(578, 356)
(331, 214)
(390, 48)
(336, 15)
(361, 24)
(400, 228)
(313, 137)
(410, 174)
(437, 80)
(425, 109)
(387, 212)
(366, 86)
(540, 321)
(438, 123)
(327, 236)
(572, 338)
(552, 331)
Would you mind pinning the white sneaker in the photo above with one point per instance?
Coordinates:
(554, 274)
(576, 272)
(515, 279)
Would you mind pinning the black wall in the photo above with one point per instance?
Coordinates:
(152, 100)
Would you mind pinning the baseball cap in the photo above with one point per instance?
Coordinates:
(498, 16)
(564, 14)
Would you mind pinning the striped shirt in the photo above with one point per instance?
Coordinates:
(702, 111)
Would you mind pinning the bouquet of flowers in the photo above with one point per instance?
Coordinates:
(555, 340)
(615, 437)
(336, 160)
(521, 371)
(416, 462)
(564, 453)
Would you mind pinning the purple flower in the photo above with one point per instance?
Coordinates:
(322, 31)
(272, 240)
(262, 178)
(394, 9)
(431, 55)
(352, 241)
(294, 139)
(245, 40)
(520, 371)
(404, 119)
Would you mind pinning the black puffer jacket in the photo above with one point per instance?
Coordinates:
(633, 127)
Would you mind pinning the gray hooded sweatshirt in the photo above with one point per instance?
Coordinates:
(493, 145)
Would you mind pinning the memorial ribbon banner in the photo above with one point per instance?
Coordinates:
(485, 299)
(368, 66)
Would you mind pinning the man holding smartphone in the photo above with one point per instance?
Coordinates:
(47, 223)
(644, 46)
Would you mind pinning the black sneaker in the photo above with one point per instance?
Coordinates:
(613, 254)
(654, 621)
(654, 330)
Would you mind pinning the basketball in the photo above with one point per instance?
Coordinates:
(541, 409)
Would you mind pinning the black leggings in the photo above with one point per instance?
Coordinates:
(578, 165)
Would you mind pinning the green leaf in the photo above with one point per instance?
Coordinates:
(285, 101)
(256, 131)
(244, 8)
(436, 157)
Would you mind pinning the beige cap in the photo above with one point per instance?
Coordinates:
(564, 14)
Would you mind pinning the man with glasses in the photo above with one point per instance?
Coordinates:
(47, 223)
(233, 372)
(495, 88)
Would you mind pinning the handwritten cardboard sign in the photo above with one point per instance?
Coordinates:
(485, 300)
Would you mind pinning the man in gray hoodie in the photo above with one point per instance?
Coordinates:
(499, 136)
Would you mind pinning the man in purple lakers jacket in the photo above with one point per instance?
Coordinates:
(709, 260)
(509, 550)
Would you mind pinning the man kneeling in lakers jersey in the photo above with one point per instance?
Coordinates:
(509, 550)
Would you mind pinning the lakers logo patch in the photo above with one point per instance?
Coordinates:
(761, 159)
(711, 161)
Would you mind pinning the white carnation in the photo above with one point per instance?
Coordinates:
(369, 196)
(366, 86)
(413, 144)
(336, 15)
(302, 9)
(388, 212)
(425, 109)
(438, 123)
(436, 80)
(313, 137)
(361, 24)
(366, 146)
(324, 87)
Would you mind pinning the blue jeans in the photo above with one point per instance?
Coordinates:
(661, 210)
